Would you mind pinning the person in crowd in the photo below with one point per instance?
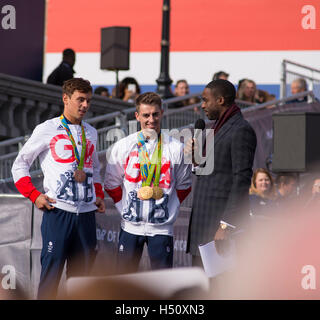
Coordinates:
(220, 75)
(127, 90)
(102, 91)
(313, 201)
(66, 147)
(262, 193)
(221, 196)
(181, 89)
(316, 187)
(263, 96)
(298, 85)
(247, 90)
(287, 184)
(147, 178)
(65, 70)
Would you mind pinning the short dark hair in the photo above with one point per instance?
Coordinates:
(149, 98)
(223, 88)
(218, 74)
(68, 53)
(101, 89)
(181, 81)
(74, 84)
(285, 178)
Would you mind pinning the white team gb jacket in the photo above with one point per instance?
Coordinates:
(51, 143)
(123, 180)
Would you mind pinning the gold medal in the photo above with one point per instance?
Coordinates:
(145, 192)
(157, 193)
(79, 175)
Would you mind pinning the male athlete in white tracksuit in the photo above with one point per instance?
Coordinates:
(147, 221)
(68, 226)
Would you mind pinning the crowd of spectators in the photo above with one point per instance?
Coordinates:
(282, 195)
(128, 88)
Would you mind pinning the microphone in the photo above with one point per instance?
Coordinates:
(199, 124)
(189, 148)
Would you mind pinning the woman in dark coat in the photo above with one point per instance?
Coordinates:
(262, 193)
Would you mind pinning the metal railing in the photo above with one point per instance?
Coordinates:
(121, 125)
(293, 70)
(275, 103)
(25, 103)
(9, 195)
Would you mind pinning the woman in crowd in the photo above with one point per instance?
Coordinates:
(262, 193)
(127, 90)
(246, 90)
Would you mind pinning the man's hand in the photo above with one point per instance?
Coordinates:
(43, 202)
(100, 204)
(191, 147)
(221, 240)
(221, 234)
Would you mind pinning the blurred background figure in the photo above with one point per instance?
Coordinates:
(263, 96)
(298, 85)
(262, 193)
(181, 89)
(102, 91)
(246, 90)
(314, 200)
(65, 70)
(287, 184)
(316, 187)
(127, 90)
(220, 75)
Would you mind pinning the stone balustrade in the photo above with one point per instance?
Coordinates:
(25, 103)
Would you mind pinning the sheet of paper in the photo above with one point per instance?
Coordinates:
(213, 262)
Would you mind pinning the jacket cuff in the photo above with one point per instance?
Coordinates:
(115, 194)
(99, 191)
(182, 194)
(27, 189)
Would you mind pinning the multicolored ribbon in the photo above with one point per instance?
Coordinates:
(147, 167)
(80, 161)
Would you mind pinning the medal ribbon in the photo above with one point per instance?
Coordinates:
(147, 167)
(80, 161)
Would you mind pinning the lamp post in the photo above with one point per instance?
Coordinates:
(164, 81)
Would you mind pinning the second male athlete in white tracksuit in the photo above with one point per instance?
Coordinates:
(146, 221)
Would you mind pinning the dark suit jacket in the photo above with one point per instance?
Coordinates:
(223, 194)
(61, 74)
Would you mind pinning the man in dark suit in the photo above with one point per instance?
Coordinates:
(220, 200)
(65, 70)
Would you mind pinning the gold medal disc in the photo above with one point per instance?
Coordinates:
(79, 175)
(157, 193)
(145, 192)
